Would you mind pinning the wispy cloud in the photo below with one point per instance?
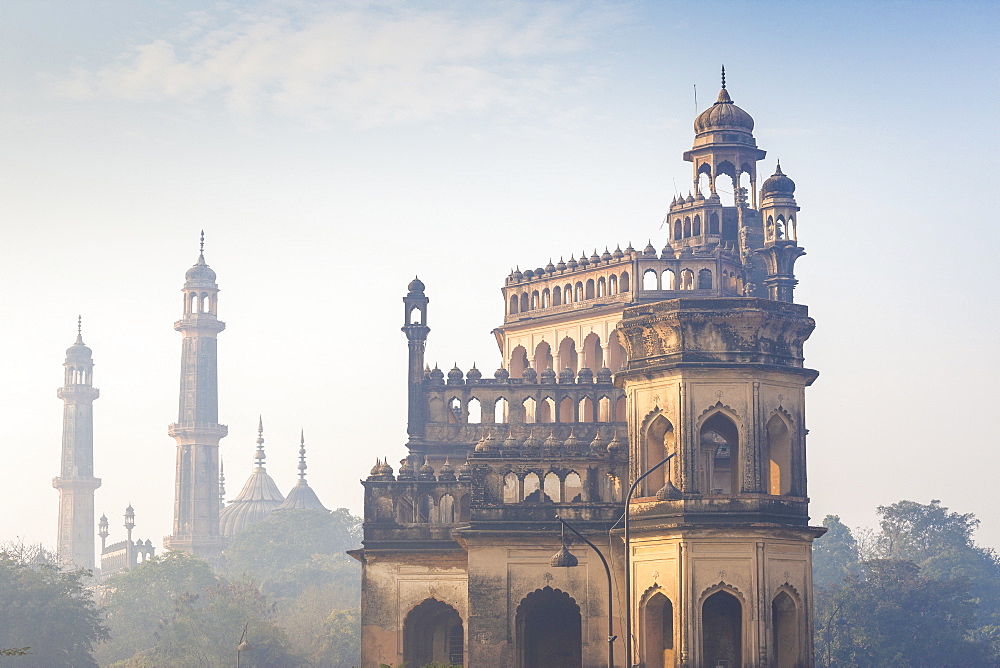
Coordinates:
(365, 63)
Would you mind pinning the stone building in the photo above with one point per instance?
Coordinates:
(610, 363)
(123, 555)
(76, 482)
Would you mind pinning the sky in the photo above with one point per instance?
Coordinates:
(333, 150)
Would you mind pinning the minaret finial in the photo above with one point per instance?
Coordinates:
(222, 484)
(259, 457)
(723, 77)
(79, 329)
(302, 457)
(202, 248)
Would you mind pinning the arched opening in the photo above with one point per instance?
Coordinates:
(590, 289)
(687, 227)
(464, 508)
(649, 280)
(547, 410)
(785, 625)
(722, 630)
(518, 362)
(726, 187)
(573, 487)
(404, 510)
(713, 223)
(500, 411)
(625, 281)
(493, 488)
(668, 280)
(719, 452)
(593, 354)
(425, 509)
(586, 410)
(704, 180)
(568, 294)
(616, 353)
(553, 487)
(433, 633)
(658, 443)
(524, 302)
(566, 412)
(658, 632)
(779, 452)
(513, 304)
(678, 230)
(704, 279)
(543, 357)
(510, 492)
(455, 410)
(687, 280)
(578, 292)
(611, 489)
(602, 287)
(696, 226)
(620, 414)
(567, 354)
(604, 409)
(546, 298)
(414, 316)
(529, 410)
(534, 299)
(556, 296)
(446, 509)
(531, 487)
(475, 411)
(612, 285)
(548, 630)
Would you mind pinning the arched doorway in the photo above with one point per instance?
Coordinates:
(785, 622)
(719, 454)
(548, 630)
(658, 632)
(433, 633)
(722, 631)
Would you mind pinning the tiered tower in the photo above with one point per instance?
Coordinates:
(76, 482)
(197, 430)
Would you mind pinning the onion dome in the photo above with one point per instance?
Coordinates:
(595, 258)
(551, 443)
(572, 264)
(550, 268)
(465, 471)
(572, 443)
(548, 376)
(415, 287)
(667, 253)
(474, 373)
(437, 375)
(510, 443)
(405, 470)
(723, 116)
(567, 377)
(561, 266)
(200, 273)
(258, 498)
(426, 471)
(518, 275)
(482, 446)
(375, 469)
(501, 375)
(614, 446)
(778, 184)
(584, 262)
(528, 274)
(618, 254)
(586, 376)
(447, 472)
(530, 376)
(385, 471)
(79, 352)
(606, 255)
(538, 272)
(604, 375)
(531, 442)
(302, 496)
(649, 251)
(597, 445)
(690, 198)
(630, 249)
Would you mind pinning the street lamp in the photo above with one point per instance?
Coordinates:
(628, 565)
(566, 559)
(243, 645)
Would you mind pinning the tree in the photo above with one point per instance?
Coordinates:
(892, 615)
(835, 554)
(48, 614)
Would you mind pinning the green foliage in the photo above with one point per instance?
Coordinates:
(835, 554)
(341, 639)
(47, 612)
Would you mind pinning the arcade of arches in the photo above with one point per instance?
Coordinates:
(433, 632)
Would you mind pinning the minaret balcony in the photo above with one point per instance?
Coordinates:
(201, 322)
(198, 432)
(78, 392)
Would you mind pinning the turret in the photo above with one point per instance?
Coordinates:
(781, 248)
(416, 330)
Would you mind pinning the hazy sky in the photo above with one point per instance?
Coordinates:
(332, 150)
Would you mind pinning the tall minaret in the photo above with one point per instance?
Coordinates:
(76, 482)
(197, 430)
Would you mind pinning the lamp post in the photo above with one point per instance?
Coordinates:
(628, 565)
(566, 559)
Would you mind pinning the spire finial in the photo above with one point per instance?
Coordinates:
(202, 248)
(79, 329)
(302, 457)
(723, 77)
(259, 456)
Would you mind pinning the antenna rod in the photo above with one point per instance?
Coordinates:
(695, 98)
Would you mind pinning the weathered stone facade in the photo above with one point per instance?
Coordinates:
(612, 362)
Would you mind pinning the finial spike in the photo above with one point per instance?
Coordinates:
(202, 248)
(79, 318)
(723, 77)
(260, 425)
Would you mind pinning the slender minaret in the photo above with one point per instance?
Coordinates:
(416, 330)
(76, 482)
(197, 430)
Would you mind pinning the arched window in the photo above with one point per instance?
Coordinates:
(678, 230)
(612, 284)
(553, 487)
(546, 298)
(658, 632)
(493, 488)
(578, 292)
(556, 296)
(586, 410)
(590, 289)
(616, 353)
(404, 510)
(510, 492)
(713, 223)
(722, 630)
(649, 281)
(500, 411)
(779, 450)
(604, 409)
(518, 362)
(464, 508)
(531, 487)
(529, 410)
(475, 411)
(657, 443)
(524, 302)
(566, 412)
(785, 625)
(624, 282)
(513, 304)
(602, 287)
(433, 634)
(534, 299)
(567, 354)
(668, 280)
(620, 414)
(719, 455)
(455, 411)
(568, 294)
(687, 280)
(593, 354)
(704, 279)
(611, 489)
(547, 410)
(547, 627)
(425, 509)
(446, 509)
(687, 227)
(573, 487)
(543, 356)
(696, 226)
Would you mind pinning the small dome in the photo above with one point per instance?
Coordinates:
(550, 268)
(584, 262)
(426, 471)
(778, 184)
(561, 266)
(606, 255)
(548, 376)
(618, 254)
(302, 497)
(501, 375)
(79, 352)
(528, 274)
(474, 373)
(723, 115)
(436, 374)
(200, 272)
(649, 251)
(416, 286)
(258, 499)
(446, 472)
(572, 264)
(455, 373)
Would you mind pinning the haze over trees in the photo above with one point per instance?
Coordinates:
(916, 592)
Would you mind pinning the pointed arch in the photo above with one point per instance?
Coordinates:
(719, 453)
(779, 453)
(531, 487)
(704, 279)
(696, 226)
(446, 509)
(500, 411)
(604, 409)
(586, 410)
(518, 362)
(572, 487)
(528, 406)
(722, 627)
(657, 442)
(433, 633)
(650, 280)
(543, 356)
(547, 410)
(548, 630)
(785, 629)
(657, 630)
(552, 487)
(668, 281)
(511, 494)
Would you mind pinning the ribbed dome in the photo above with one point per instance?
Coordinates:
(79, 352)
(416, 286)
(778, 183)
(200, 272)
(259, 498)
(723, 115)
(301, 497)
